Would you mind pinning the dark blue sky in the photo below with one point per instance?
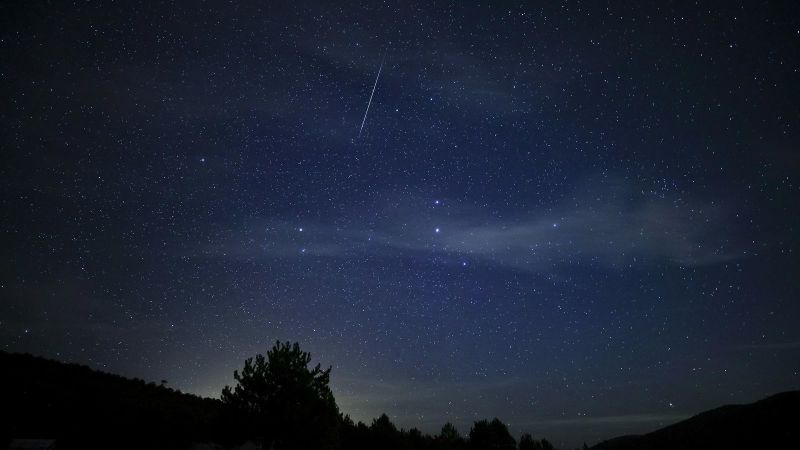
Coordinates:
(579, 217)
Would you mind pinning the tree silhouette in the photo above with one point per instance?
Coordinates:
(526, 442)
(449, 439)
(282, 403)
(384, 433)
(492, 435)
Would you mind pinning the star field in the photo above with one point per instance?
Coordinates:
(579, 217)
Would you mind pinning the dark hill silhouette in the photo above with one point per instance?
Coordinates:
(773, 422)
(87, 408)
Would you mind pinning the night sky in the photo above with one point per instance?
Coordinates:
(582, 218)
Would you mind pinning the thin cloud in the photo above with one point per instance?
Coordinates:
(611, 235)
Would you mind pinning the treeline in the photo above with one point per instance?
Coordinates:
(278, 402)
(484, 434)
(283, 403)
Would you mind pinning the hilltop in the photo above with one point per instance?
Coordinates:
(768, 423)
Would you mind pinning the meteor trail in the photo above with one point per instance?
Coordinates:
(370, 96)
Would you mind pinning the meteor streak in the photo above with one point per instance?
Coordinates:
(370, 96)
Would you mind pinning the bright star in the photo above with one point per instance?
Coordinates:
(437, 230)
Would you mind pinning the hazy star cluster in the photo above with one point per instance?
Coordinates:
(580, 217)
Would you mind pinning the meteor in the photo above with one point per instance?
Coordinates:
(371, 95)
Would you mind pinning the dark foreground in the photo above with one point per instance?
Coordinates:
(76, 407)
(771, 423)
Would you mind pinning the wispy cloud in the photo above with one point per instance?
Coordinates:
(608, 234)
